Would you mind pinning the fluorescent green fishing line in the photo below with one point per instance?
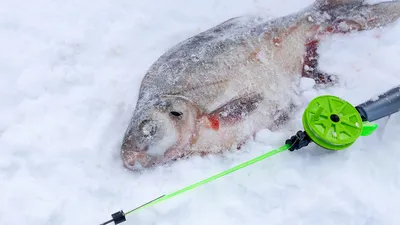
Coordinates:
(224, 173)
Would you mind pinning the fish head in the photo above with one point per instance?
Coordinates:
(159, 131)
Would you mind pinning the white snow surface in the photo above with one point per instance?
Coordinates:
(69, 78)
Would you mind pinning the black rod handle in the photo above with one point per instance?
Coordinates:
(385, 105)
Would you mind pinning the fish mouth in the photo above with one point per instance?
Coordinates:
(137, 158)
(135, 161)
(140, 160)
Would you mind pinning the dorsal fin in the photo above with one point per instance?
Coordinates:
(333, 3)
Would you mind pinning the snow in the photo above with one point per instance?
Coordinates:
(306, 84)
(69, 75)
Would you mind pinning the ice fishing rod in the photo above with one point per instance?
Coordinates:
(329, 121)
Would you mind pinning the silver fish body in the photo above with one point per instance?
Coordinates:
(214, 90)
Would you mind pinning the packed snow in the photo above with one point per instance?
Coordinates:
(69, 78)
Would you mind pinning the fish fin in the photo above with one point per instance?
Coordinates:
(344, 16)
(333, 3)
(234, 111)
(351, 15)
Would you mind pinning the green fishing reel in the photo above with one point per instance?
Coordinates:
(334, 123)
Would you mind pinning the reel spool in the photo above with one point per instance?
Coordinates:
(332, 122)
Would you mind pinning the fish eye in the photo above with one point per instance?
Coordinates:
(176, 114)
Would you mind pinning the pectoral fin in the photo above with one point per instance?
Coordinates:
(234, 111)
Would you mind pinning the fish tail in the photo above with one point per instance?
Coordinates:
(347, 15)
(380, 14)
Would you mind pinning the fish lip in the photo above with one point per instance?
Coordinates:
(141, 160)
(136, 160)
(133, 158)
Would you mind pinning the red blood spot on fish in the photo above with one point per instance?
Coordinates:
(310, 64)
(214, 122)
(311, 44)
(276, 40)
(310, 59)
(329, 29)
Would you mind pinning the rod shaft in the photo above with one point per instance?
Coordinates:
(386, 104)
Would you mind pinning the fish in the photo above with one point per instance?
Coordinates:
(213, 91)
